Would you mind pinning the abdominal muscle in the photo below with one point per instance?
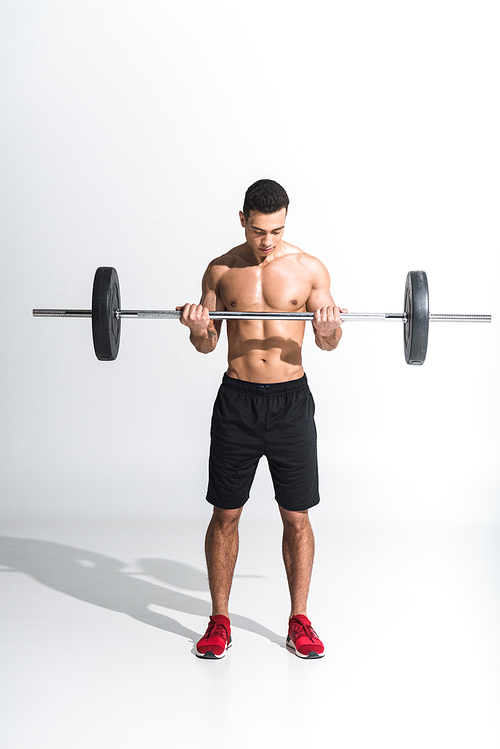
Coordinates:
(265, 351)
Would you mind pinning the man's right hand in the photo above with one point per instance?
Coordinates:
(196, 318)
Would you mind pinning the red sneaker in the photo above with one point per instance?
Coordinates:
(217, 638)
(302, 639)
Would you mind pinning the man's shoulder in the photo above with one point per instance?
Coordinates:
(220, 265)
(308, 262)
(228, 259)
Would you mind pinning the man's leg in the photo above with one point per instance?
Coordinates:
(221, 550)
(298, 555)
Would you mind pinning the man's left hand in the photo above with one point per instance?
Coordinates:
(327, 320)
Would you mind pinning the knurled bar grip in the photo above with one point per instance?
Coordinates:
(62, 313)
(460, 318)
(170, 314)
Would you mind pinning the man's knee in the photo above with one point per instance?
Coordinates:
(296, 519)
(226, 518)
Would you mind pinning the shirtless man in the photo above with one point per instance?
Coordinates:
(264, 406)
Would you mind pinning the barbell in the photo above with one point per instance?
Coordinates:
(107, 315)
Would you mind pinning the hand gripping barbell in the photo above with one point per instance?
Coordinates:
(107, 316)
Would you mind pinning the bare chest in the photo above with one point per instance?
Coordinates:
(279, 286)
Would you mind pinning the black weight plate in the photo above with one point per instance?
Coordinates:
(416, 328)
(105, 325)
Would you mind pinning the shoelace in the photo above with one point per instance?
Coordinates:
(308, 630)
(216, 629)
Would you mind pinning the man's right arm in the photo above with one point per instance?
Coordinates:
(205, 332)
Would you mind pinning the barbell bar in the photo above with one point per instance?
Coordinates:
(107, 315)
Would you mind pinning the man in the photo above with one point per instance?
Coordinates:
(264, 406)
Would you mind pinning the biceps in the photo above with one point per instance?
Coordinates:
(320, 298)
(211, 299)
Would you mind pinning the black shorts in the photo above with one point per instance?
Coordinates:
(251, 420)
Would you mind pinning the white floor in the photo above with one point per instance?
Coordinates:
(99, 623)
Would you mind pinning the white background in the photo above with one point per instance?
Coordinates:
(129, 134)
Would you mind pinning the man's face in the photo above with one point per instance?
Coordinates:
(263, 232)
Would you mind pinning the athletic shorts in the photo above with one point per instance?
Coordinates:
(251, 420)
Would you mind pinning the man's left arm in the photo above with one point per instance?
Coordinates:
(327, 322)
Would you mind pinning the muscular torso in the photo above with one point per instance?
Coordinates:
(260, 350)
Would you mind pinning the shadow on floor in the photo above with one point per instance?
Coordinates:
(104, 581)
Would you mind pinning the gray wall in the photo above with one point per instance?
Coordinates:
(129, 133)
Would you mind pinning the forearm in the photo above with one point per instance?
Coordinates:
(204, 343)
(329, 342)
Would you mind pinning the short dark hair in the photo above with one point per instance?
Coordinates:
(265, 196)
